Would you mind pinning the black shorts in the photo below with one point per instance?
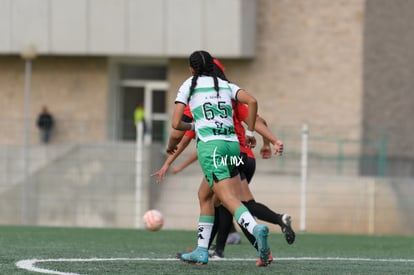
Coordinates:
(248, 167)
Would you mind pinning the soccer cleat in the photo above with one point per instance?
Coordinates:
(287, 229)
(233, 238)
(199, 256)
(260, 263)
(211, 250)
(269, 261)
(216, 255)
(261, 232)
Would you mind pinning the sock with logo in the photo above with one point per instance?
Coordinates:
(245, 219)
(205, 226)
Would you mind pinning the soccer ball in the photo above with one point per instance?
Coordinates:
(153, 220)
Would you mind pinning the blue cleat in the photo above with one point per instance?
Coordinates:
(199, 256)
(261, 232)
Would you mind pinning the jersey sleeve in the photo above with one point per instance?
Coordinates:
(184, 92)
(190, 134)
(242, 111)
(187, 112)
(189, 118)
(234, 89)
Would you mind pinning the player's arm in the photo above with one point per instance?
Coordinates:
(174, 140)
(268, 137)
(177, 124)
(251, 102)
(192, 158)
(171, 158)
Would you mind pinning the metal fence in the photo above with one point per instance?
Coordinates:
(95, 184)
(333, 155)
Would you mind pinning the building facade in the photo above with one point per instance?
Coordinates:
(336, 65)
(343, 67)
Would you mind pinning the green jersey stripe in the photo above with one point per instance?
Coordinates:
(210, 89)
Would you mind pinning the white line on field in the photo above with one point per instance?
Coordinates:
(30, 263)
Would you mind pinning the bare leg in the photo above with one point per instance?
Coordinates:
(205, 198)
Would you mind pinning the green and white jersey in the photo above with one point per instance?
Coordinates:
(213, 115)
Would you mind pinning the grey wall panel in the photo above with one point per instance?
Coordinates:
(162, 28)
(5, 28)
(107, 26)
(68, 26)
(184, 28)
(222, 33)
(145, 29)
(30, 24)
(247, 27)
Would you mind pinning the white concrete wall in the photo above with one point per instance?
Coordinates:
(170, 28)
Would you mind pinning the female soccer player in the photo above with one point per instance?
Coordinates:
(210, 100)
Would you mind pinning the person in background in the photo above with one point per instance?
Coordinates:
(45, 123)
(139, 116)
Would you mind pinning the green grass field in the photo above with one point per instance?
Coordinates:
(128, 251)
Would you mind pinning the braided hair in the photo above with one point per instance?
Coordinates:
(219, 69)
(202, 63)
